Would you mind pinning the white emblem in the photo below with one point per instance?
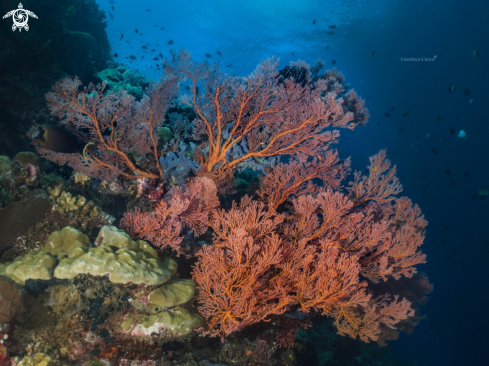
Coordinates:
(20, 17)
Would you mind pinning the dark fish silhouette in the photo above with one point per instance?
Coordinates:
(170, 42)
(327, 47)
(447, 172)
(132, 57)
(451, 88)
(116, 55)
(155, 25)
(112, 1)
(148, 10)
(219, 53)
(333, 62)
(467, 92)
(136, 30)
(439, 118)
(474, 54)
(452, 183)
(314, 21)
(144, 47)
(456, 117)
(110, 15)
(229, 65)
(466, 174)
(405, 114)
(160, 54)
(332, 26)
(330, 33)
(393, 109)
(122, 36)
(112, 8)
(153, 50)
(401, 129)
(207, 55)
(292, 54)
(56, 138)
(452, 131)
(162, 28)
(155, 58)
(434, 151)
(387, 114)
(373, 53)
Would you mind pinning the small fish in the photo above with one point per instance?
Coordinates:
(452, 183)
(153, 50)
(452, 131)
(387, 114)
(332, 27)
(112, 1)
(483, 192)
(447, 172)
(132, 57)
(144, 47)
(451, 88)
(219, 53)
(456, 117)
(155, 58)
(327, 47)
(393, 109)
(333, 62)
(292, 54)
(160, 54)
(330, 33)
(110, 15)
(170, 42)
(155, 25)
(401, 130)
(207, 55)
(148, 10)
(122, 36)
(405, 114)
(116, 55)
(473, 197)
(112, 7)
(461, 134)
(466, 175)
(474, 54)
(162, 28)
(314, 21)
(229, 65)
(56, 139)
(471, 101)
(434, 151)
(467, 92)
(373, 53)
(136, 30)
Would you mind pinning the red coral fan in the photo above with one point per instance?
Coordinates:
(272, 114)
(312, 258)
(188, 206)
(111, 124)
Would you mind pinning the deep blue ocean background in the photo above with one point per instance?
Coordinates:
(440, 172)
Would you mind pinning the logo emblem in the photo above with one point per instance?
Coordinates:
(20, 17)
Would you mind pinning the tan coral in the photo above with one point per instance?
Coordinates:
(177, 322)
(121, 266)
(40, 359)
(65, 240)
(172, 293)
(35, 265)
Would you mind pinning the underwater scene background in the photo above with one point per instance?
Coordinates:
(171, 194)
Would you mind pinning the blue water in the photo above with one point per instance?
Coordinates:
(457, 242)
